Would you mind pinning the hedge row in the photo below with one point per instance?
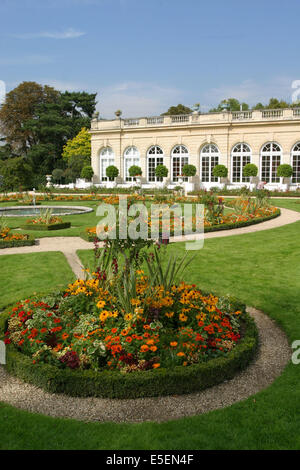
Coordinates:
(15, 243)
(46, 226)
(213, 228)
(246, 223)
(113, 384)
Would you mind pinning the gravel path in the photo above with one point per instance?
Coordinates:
(69, 245)
(274, 354)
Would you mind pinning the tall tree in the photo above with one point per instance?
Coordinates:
(233, 105)
(179, 109)
(16, 173)
(20, 105)
(37, 121)
(79, 145)
(274, 103)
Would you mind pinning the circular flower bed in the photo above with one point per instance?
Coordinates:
(86, 327)
(123, 327)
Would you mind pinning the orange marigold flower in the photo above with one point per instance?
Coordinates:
(156, 365)
(144, 348)
(153, 348)
(180, 354)
(65, 336)
(173, 344)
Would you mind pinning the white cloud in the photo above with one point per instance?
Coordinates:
(69, 33)
(251, 91)
(137, 99)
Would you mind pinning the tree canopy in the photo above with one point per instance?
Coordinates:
(79, 145)
(20, 106)
(37, 121)
(179, 109)
(233, 105)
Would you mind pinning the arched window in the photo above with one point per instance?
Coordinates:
(107, 158)
(209, 158)
(240, 156)
(131, 157)
(296, 163)
(270, 160)
(180, 157)
(155, 156)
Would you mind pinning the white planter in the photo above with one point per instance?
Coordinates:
(48, 178)
(188, 187)
(111, 184)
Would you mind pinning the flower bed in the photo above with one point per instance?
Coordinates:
(9, 240)
(228, 222)
(46, 221)
(66, 370)
(123, 332)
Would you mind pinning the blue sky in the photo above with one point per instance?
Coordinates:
(143, 56)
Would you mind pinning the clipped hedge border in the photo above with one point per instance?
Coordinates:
(15, 243)
(213, 228)
(46, 226)
(113, 384)
(246, 223)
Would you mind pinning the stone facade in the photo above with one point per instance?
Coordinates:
(201, 139)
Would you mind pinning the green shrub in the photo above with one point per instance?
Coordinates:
(189, 170)
(58, 226)
(285, 171)
(135, 170)
(250, 170)
(57, 175)
(161, 171)
(87, 172)
(112, 172)
(220, 171)
(15, 243)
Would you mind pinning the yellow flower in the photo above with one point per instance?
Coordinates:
(104, 315)
(100, 304)
(128, 316)
(169, 314)
(182, 317)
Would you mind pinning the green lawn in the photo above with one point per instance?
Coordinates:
(22, 275)
(262, 269)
